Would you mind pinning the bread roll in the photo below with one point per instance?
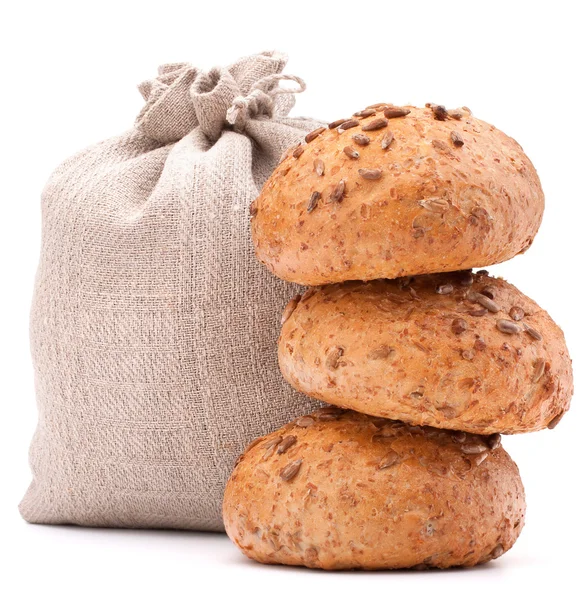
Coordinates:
(394, 192)
(455, 351)
(342, 490)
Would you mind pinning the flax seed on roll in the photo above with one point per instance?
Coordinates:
(397, 191)
(342, 490)
(455, 351)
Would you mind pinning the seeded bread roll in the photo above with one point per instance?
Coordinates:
(342, 490)
(394, 192)
(455, 351)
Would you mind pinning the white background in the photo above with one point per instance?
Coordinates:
(68, 78)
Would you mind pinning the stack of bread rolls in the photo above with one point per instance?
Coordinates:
(424, 363)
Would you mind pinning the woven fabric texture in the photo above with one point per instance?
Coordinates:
(153, 327)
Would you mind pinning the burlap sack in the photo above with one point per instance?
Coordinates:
(153, 326)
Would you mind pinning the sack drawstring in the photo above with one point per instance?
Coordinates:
(261, 99)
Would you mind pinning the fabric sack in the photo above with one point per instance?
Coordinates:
(153, 326)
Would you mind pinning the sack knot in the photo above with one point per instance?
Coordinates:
(261, 100)
(183, 97)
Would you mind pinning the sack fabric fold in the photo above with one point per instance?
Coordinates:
(153, 326)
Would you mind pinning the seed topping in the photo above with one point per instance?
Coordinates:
(319, 167)
(446, 288)
(367, 112)
(380, 353)
(333, 358)
(337, 123)
(390, 459)
(459, 326)
(315, 196)
(361, 139)
(532, 332)
(538, 370)
(455, 113)
(313, 134)
(516, 313)
(473, 448)
(441, 146)
(489, 292)
(457, 139)
(349, 124)
(329, 413)
(351, 152)
(468, 354)
(375, 124)
(506, 326)
(552, 424)
(298, 151)
(272, 443)
(305, 421)
(485, 301)
(287, 473)
(436, 205)
(286, 444)
(387, 140)
(270, 447)
(479, 344)
(439, 112)
(371, 174)
(338, 193)
(394, 112)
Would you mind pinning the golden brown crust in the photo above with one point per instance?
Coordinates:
(444, 195)
(342, 490)
(428, 351)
